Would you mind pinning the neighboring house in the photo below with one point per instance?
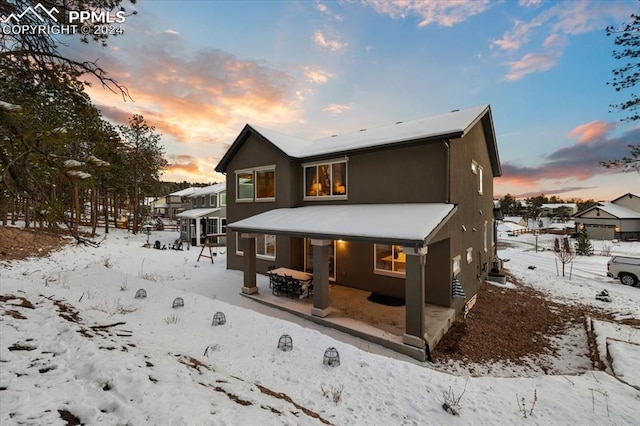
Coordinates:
(170, 205)
(619, 219)
(518, 220)
(207, 215)
(396, 210)
(555, 209)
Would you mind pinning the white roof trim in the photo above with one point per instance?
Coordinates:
(409, 224)
(197, 213)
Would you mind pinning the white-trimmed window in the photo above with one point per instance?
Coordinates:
(486, 236)
(203, 201)
(325, 179)
(265, 246)
(213, 200)
(455, 265)
(195, 202)
(257, 184)
(470, 255)
(476, 169)
(223, 225)
(223, 198)
(389, 260)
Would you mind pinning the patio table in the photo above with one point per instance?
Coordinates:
(304, 278)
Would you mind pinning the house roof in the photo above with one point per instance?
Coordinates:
(197, 213)
(454, 124)
(211, 189)
(183, 192)
(628, 194)
(403, 224)
(612, 209)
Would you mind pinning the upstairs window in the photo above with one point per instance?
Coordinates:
(256, 184)
(213, 201)
(325, 180)
(244, 186)
(223, 199)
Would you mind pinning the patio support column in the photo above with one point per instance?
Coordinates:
(249, 263)
(414, 297)
(197, 219)
(320, 278)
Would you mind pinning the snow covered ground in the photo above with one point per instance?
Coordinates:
(77, 346)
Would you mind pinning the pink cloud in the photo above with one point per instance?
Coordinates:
(530, 63)
(592, 131)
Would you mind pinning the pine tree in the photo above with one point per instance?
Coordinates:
(583, 244)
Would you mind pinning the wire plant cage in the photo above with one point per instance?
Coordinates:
(219, 319)
(331, 357)
(285, 343)
(141, 294)
(178, 302)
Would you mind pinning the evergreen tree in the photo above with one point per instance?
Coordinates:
(583, 244)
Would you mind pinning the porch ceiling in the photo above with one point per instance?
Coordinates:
(197, 213)
(410, 225)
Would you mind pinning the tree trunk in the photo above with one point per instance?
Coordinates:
(94, 211)
(105, 209)
(76, 207)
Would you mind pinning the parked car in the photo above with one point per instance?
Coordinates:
(624, 268)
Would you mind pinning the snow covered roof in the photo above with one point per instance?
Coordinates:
(211, 189)
(628, 194)
(184, 192)
(404, 224)
(196, 213)
(453, 124)
(556, 205)
(614, 210)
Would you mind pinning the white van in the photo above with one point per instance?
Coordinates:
(625, 268)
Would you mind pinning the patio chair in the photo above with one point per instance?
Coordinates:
(279, 286)
(294, 288)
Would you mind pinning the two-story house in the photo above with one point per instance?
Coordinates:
(170, 205)
(619, 219)
(207, 215)
(397, 210)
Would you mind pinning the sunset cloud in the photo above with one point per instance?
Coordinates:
(445, 13)
(592, 131)
(325, 43)
(530, 63)
(317, 75)
(336, 108)
(579, 161)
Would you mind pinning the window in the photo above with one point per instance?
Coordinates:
(265, 184)
(223, 225)
(223, 199)
(213, 201)
(308, 258)
(325, 180)
(244, 186)
(265, 246)
(455, 267)
(212, 225)
(389, 260)
(256, 185)
(195, 203)
(476, 169)
(203, 201)
(486, 236)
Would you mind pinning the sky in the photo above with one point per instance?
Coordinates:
(75, 340)
(199, 71)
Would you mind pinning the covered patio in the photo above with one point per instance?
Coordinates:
(411, 226)
(197, 223)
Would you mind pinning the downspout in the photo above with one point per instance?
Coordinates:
(447, 172)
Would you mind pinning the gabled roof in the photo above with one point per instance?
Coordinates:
(404, 224)
(612, 209)
(207, 190)
(628, 194)
(454, 124)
